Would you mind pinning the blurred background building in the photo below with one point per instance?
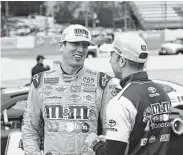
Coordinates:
(149, 15)
(44, 21)
(31, 28)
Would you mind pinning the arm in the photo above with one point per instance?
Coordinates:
(110, 147)
(120, 120)
(104, 82)
(111, 90)
(31, 121)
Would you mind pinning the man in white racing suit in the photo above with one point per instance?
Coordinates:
(67, 101)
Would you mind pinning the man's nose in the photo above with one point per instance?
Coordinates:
(80, 48)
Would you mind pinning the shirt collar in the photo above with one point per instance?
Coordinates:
(139, 76)
(67, 77)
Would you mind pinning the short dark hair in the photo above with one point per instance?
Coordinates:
(62, 43)
(40, 57)
(135, 65)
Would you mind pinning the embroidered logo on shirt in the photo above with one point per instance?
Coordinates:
(53, 80)
(112, 123)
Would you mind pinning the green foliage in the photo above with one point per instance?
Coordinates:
(22, 8)
(74, 12)
(64, 10)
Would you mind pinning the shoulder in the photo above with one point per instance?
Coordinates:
(103, 78)
(33, 68)
(122, 104)
(37, 78)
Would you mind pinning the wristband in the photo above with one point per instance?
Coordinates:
(95, 142)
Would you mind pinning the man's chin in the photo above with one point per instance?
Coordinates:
(77, 64)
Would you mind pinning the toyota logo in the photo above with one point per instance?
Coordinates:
(112, 123)
(151, 89)
(88, 79)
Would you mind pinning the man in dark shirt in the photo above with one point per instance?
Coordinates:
(39, 67)
(139, 115)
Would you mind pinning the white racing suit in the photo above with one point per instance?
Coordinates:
(69, 106)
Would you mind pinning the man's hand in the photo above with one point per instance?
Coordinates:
(102, 138)
(91, 138)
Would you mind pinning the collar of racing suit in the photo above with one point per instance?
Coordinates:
(68, 77)
(139, 76)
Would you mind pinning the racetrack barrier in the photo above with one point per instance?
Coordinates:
(18, 69)
(8, 43)
(17, 43)
(27, 42)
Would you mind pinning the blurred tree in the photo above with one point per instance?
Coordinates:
(103, 9)
(3, 21)
(95, 6)
(74, 12)
(105, 17)
(22, 8)
(64, 10)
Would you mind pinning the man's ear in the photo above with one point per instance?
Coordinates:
(122, 61)
(61, 47)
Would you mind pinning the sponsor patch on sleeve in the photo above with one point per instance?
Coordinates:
(37, 79)
(103, 80)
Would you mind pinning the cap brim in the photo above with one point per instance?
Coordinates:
(92, 43)
(117, 52)
(78, 40)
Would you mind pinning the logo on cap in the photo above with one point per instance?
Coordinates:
(81, 32)
(143, 47)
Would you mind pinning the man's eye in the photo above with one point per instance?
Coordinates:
(85, 45)
(74, 43)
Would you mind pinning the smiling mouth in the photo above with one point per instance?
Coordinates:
(77, 56)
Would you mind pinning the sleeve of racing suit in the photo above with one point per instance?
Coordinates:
(31, 120)
(104, 81)
(109, 92)
(110, 147)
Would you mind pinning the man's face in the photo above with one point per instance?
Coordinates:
(74, 53)
(115, 64)
(41, 60)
